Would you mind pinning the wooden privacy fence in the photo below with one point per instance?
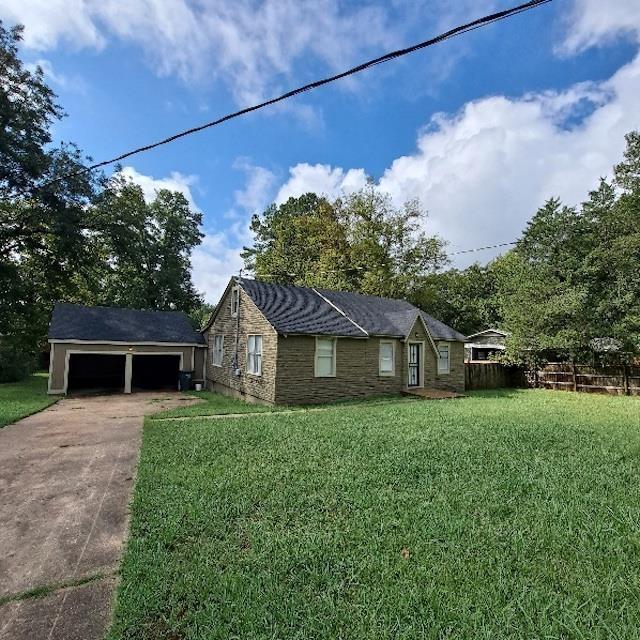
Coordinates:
(492, 375)
(614, 379)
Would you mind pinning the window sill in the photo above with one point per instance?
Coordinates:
(219, 366)
(387, 374)
(254, 375)
(332, 375)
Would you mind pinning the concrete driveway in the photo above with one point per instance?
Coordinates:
(66, 476)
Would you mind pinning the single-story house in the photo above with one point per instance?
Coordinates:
(284, 344)
(121, 349)
(485, 345)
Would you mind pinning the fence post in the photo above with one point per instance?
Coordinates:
(625, 379)
(573, 372)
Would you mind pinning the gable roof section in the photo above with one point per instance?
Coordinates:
(440, 330)
(298, 310)
(486, 332)
(114, 324)
(301, 310)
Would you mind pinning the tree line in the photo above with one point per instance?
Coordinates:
(569, 288)
(87, 238)
(571, 284)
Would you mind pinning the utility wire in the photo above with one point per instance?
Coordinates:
(493, 246)
(470, 26)
(455, 253)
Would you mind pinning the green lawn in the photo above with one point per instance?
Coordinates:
(218, 404)
(510, 514)
(215, 403)
(20, 399)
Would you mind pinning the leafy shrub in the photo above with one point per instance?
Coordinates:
(15, 364)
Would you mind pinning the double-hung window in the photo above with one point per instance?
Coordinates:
(386, 363)
(254, 355)
(325, 358)
(217, 350)
(443, 357)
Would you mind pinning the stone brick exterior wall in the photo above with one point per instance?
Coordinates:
(454, 380)
(357, 371)
(223, 379)
(288, 363)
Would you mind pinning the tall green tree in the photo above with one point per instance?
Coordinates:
(72, 235)
(143, 248)
(612, 265)
(543, 293)
(574, 277)
(361, 242)
(301, 241)
(462, 298)
(42, 212)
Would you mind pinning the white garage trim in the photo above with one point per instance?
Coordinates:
(128, 369)
(49, 390)
(129, 343)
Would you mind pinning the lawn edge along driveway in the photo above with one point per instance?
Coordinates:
(66, 476)
(24, 398)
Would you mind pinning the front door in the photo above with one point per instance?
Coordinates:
(414, 364)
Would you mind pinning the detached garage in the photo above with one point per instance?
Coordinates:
(112, 349)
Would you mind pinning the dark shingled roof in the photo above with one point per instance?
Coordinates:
(297, 310)
(113, 324)
(300, 310)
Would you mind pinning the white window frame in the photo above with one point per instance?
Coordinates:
(235, 301)
(255, 357)
(334, 342)
(213, 349)
(393, 358)
(441, 368)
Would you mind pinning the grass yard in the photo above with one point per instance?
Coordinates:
(20, 399)
(215, 403)
(218, 404)
(511, 514)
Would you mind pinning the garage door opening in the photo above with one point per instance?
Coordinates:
(96, 372)
(155, 372)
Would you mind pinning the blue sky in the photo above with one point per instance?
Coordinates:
(481, 129)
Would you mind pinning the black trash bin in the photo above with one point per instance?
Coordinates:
(184, 380)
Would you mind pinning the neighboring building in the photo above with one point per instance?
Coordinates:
(296, 345)
(485, 345)
(121, 349)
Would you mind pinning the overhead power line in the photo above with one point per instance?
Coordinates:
(492, 246)
(454, 253)
(470, 26)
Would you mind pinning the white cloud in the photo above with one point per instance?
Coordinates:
(321, 179)
(218, 257)
(71, 83)
(251, 45)
(258, 188)
(48, 22)
(175, 181)
(482, 172)
(594, 22)
(213, 263)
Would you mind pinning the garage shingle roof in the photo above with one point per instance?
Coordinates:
(302, 310)
(114, 324)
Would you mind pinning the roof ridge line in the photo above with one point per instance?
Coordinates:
(340, 311)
